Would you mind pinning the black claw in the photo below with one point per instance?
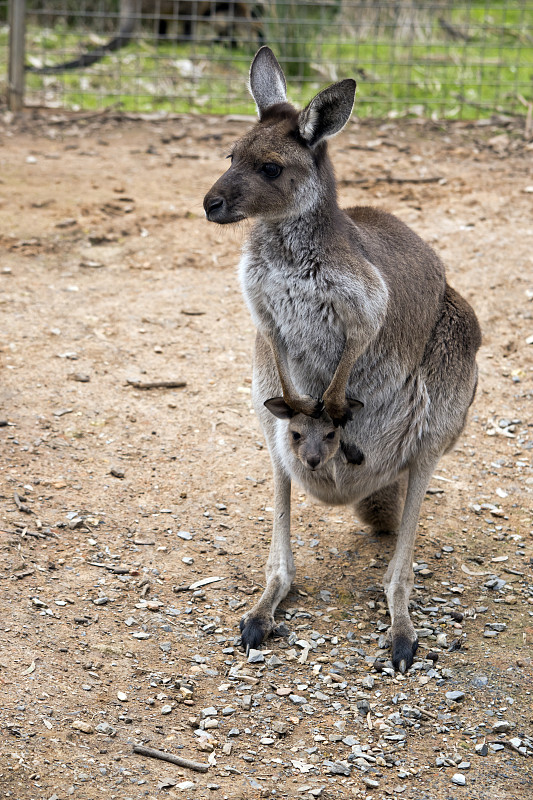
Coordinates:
(341, 421)
(319, 408)
(403, 652)
(252, 634)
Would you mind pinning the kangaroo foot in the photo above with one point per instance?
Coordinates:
(255, 627)
(404, 646)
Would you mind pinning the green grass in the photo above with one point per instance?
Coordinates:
(429, 73)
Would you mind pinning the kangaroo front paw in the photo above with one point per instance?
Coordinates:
(254, 629)
(340, 413)
(404, 647)
(310, 406)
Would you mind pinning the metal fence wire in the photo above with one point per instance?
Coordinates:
(466, 59)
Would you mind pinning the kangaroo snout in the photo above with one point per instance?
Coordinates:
(313, 460)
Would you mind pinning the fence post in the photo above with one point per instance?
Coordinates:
(15, 78)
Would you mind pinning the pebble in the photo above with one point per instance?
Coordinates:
(501, 726)
(208, 712)
(455, 697)
(122, 696)
(255, 656)
(84, 727)
(105, 727)
(297, 699)
(166, 709)
(459, 779)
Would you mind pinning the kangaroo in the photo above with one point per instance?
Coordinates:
(346, 304)
(226, 17)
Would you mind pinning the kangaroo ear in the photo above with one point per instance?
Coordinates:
(267, 81)
(354, 404)
(328, 112)
(278, 407)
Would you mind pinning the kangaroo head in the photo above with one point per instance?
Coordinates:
(280, 168)
(313, 441)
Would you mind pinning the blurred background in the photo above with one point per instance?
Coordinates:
(442, 59)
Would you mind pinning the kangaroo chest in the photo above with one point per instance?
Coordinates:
(297, 300)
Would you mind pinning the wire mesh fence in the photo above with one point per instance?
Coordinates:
(466, 59)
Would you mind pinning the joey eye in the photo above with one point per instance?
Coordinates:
(271, 170)
(296, 436)
(330, 435)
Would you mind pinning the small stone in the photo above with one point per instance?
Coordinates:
(106, 728)
(208, 712)
(501, 726)
(463, 765)
(280, 727)
(297, 699)
(481, 749)
(459, 779)
(122, 696)
(372, 784)
(166, 709)
(255, 656)
(455, 697)
(228, 711)
(116, 472)
(84, 727)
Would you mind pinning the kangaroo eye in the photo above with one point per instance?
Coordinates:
(330, 435)
(296, 436)
(271, 170)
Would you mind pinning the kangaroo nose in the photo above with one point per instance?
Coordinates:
(212, 205)
(313, 461)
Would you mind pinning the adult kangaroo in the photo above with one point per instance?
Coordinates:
(351, 307)
(229, 19)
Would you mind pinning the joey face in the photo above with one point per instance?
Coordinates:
(272, 175)
(313, 441)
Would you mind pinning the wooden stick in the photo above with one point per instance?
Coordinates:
(156, 384)
(20, 505)
(180, 762)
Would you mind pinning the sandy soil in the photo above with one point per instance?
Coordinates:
(115, 500)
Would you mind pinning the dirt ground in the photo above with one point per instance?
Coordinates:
(115, 500)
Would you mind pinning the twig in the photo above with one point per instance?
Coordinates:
(116, 570)
(425, 713)
(505, 744)
(156, 384)
(181, 762)
(20, 505)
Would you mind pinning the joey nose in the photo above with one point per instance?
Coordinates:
(213, 205)
(313, 461)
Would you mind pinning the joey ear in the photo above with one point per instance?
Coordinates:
(354, 404)
(328, 112)
(267, 81)
(278, 407)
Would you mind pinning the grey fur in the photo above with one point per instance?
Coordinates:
(346, 304)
